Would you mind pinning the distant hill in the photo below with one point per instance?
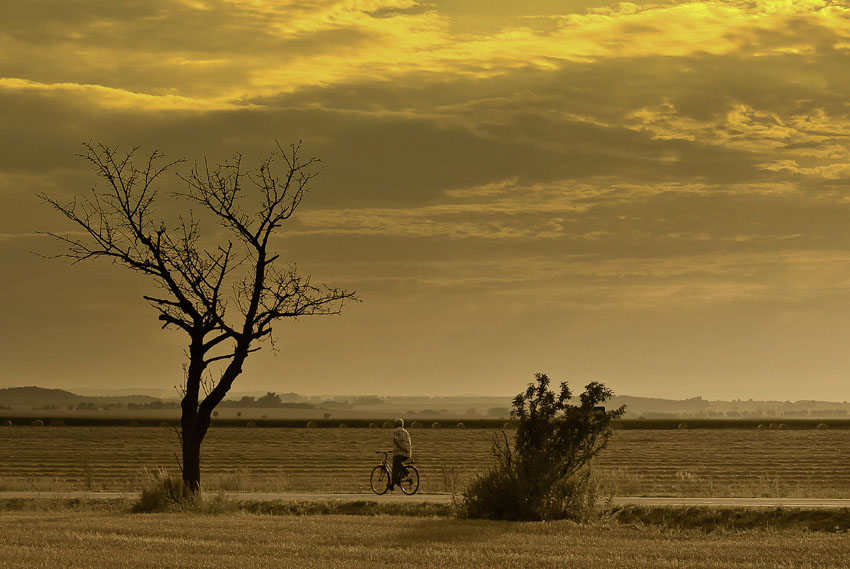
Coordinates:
(15, 396)
(41, 397)
(416, 406)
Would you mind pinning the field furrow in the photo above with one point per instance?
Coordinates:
(676, 463)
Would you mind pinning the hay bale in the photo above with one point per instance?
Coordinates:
(683, 426)
(251, 424)
(782, 426)
(760, 427)
(37, 423)
(460, 426)
(373, 425)
(822, 427)
(6, 423)
(772, 426)
(343, 425)
(165, 424)
(56, 423)
(415, 425)
(311, 424)
(507, 426)
(135, 423)
(387, 425)
(435, 425)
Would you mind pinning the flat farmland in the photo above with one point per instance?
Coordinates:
(727, 462)
(85, 540)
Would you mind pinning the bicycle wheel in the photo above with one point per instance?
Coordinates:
(409, 480)
(379, 480)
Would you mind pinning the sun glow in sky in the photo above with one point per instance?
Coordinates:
(654, 195)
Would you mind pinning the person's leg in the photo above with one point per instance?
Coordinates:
(398, 464)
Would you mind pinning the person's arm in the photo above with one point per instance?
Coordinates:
(398, 442)
(404, 443)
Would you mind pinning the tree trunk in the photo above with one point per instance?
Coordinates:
(192, 460)
(194, 429)
(196, 418)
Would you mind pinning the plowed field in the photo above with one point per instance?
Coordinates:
(660, 463)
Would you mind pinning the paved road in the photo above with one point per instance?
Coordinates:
(445, 498)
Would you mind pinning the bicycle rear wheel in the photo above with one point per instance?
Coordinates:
(379, 480)
(409, 480)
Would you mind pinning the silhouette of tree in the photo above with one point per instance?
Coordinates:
(224, 296)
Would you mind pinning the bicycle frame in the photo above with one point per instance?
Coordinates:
(408, 477)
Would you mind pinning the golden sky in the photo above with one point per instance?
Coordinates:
(654, 195)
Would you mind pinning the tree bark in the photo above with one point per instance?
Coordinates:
(194, 429)
(192, 460)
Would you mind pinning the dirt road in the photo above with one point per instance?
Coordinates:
(444, 498)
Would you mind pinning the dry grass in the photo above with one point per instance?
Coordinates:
(93, 540)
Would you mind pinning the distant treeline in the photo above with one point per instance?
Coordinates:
(264, 402)
(626, 424)
(789, 413)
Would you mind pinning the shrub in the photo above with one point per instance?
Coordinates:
(545, 473)
(163, 492)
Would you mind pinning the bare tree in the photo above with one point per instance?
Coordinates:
(226, 296)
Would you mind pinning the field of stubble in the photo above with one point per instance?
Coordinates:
(90, 540)
(657, 463)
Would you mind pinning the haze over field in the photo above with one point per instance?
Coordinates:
(654, 195)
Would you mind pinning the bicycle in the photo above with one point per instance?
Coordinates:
(381, 476)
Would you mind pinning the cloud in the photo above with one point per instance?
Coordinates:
(481, 158)
(116, 99)
(221, 51)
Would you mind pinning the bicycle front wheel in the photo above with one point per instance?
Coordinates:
(409, 480)
(379, 480)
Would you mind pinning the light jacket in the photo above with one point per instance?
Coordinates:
(401, 442)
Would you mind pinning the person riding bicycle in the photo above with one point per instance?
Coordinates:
(402, 450)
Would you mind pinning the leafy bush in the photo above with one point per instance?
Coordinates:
(545, 473)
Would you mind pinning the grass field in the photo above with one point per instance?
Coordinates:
(88, 540)
(657, 462)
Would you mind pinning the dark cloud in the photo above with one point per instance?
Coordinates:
(627, 218)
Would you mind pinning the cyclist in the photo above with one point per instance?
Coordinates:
(402, 450)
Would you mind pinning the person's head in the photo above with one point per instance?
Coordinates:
(399, 422)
